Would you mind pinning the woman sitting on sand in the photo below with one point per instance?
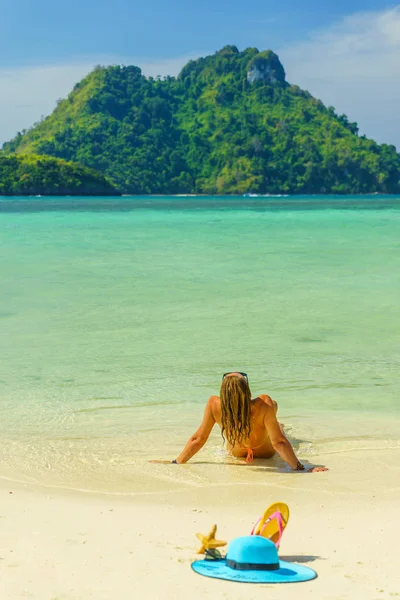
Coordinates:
(249, 427)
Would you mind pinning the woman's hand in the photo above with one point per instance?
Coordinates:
(316, 469)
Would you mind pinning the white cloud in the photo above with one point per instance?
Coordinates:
(28, 93)
(354, 66)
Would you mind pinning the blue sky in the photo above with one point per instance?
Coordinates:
(41, 31)
(346, 53)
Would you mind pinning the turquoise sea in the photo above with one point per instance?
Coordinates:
(118, 317)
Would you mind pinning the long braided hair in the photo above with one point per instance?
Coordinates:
(235, 407)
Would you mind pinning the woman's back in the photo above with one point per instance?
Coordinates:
(258, 441)
(249, 427)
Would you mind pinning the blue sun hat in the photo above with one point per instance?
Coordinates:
(252, 559)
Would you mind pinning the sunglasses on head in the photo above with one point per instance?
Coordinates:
(240, 373)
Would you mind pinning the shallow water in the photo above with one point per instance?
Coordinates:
(118, 317)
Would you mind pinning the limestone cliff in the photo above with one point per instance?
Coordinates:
(265, 67)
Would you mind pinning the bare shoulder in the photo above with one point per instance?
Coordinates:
(269, 404)
(213, 400)
(266, 399)
(214, 406)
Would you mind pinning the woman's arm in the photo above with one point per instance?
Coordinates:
(199, 438)
(282, 445)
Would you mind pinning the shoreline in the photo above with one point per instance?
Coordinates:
(247, 195)
(118, 465)
(351, 473)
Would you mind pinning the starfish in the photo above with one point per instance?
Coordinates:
(209, 541)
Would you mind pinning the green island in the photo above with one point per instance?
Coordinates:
(229, 123)
(30, 174)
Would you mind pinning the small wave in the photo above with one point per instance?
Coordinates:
(339, 446)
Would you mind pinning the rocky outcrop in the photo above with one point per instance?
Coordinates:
(265, 67)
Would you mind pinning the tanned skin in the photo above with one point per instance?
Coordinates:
(266, 438)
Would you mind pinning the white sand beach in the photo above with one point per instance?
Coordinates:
(59, 545)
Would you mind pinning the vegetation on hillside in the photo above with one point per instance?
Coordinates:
(229, 123)
(22, 174)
